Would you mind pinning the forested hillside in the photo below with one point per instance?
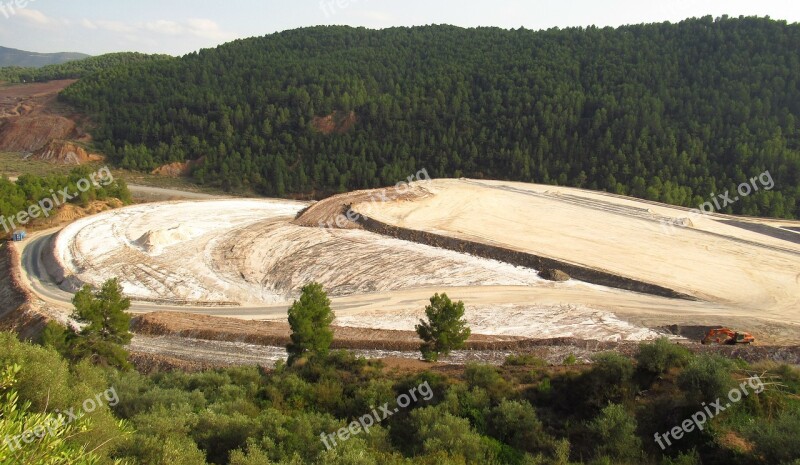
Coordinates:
(75, 69)
(670, 112)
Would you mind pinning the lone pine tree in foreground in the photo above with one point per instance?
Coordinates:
(445, 330)
(310, 319)
(105, 330)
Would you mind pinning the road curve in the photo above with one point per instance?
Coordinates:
(43, 286)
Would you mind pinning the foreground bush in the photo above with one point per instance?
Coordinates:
(660, 356)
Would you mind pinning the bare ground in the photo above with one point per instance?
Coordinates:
(218, 341)
(31, 117)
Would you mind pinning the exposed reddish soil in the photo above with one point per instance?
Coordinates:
(31, 117)
(32, 133)
(21, 99)
(177, 169)
(65, 153)
(18, 309)
(335, 123)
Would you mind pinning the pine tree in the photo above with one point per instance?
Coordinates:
(106, 326)
(310, 319)
(445, 329)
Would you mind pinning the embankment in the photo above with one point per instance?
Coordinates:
(276, 334)
(269, 333)
(514, 257)
(18, 312)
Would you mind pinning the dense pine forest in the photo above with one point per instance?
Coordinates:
(668, 112)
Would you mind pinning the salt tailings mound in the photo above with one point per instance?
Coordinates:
(155, 241)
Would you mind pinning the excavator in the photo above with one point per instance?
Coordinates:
(728, 337)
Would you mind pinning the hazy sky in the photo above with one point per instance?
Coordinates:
(182, 26)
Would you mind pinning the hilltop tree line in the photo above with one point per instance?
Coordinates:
(74, 69)
(668, 112)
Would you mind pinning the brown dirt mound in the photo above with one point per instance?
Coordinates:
(65, 153)
(31, 133)
(177, 169)
(551, 274)
(335, 123)
(336, 212)
(71, 212)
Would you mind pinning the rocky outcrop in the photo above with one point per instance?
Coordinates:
(64, 153)
(551, 274)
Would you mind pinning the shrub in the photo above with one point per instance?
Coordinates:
(488, 378)
(516, 424)
(614, 431)
(609, 380)
(525, 360)
(468, 402)
(686, 458)
(660, 356)
(17, 420)
(439, 431)
(706, 378)
(777, 440)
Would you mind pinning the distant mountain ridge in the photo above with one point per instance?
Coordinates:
(14, 57)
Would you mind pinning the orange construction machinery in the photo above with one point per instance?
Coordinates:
(728, 337)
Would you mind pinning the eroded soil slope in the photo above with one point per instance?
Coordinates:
(31, 117)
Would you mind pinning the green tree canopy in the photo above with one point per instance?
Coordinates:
(105, 327)
(310, 318)
(445, 330)
(49, 445)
